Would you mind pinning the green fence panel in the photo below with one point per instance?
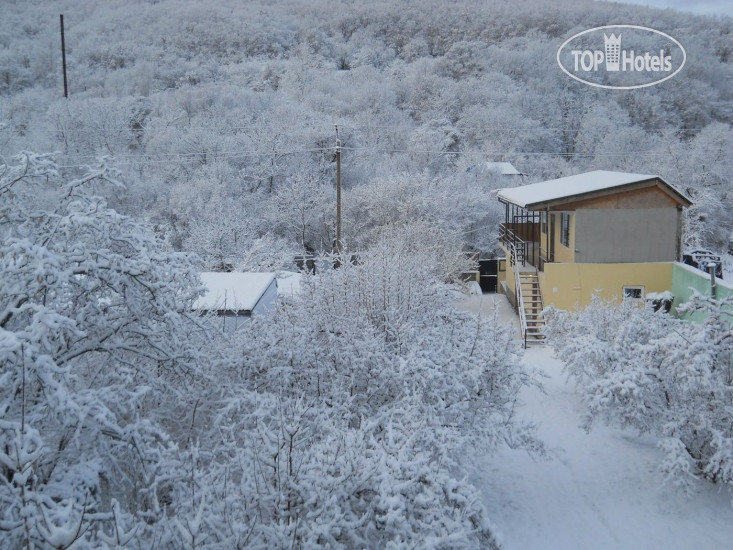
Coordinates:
(686, 279)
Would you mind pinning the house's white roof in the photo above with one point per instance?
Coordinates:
(504, 168)
(570, 186)
(233, 291)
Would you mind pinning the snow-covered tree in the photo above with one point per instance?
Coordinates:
(304, 209)
(232, 240)
(97, 355)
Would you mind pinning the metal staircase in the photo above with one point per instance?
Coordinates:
(529, 304)
(528, 292)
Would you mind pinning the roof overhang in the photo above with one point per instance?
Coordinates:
(554, 194)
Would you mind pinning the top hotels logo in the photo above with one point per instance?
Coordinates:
(613, 51)
(651, 58)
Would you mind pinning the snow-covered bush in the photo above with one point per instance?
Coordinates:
(657, 374)
(347, 410)
(97, 358)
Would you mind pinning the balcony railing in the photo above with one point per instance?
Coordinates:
(524, 238)
(516, 246)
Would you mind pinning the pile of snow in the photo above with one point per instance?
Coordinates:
(600, 490)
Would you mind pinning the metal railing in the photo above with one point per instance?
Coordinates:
(544, 258)
(519, 298)
(518, 247)
(520, 306)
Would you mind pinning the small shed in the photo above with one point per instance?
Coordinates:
(503, 168)
(233, 294)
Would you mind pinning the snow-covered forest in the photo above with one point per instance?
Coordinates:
(221, 115)
(198, 135)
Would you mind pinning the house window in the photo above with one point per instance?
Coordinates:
(565, 229)
(633, 293)
(543, 222)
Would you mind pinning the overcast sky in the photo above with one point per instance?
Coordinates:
(694, 6)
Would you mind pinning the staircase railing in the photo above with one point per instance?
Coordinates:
(520, 306)
(518, 290)
(517, 250)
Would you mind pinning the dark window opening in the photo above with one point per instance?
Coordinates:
(634, 292)
(565, 229)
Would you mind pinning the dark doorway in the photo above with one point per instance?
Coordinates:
(489, 274)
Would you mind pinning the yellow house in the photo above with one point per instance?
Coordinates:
(611, 233)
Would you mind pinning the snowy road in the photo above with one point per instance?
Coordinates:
(594, 491)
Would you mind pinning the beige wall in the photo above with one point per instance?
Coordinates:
(570, 285)
(509, 276)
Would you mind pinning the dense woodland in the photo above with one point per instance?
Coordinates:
(222, 116)
(198, 135)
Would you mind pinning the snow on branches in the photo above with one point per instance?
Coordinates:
(93, 339)
(336, 420)
(347, 409)
(657, 374)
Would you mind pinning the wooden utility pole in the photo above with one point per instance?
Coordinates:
(338, 193)
(63, 56)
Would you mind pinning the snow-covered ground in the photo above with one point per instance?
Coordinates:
(600, 490)
(488, 304)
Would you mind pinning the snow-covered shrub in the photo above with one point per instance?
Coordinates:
(647, 370)
(347, 410)
(97, 356)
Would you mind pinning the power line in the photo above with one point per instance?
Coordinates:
(161, 158)
(458, 126)
(512, 153)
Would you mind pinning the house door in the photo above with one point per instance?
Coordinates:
(552, 238)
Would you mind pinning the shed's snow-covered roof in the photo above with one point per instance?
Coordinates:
(233, 291)
(572, 186)
(504, 168)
